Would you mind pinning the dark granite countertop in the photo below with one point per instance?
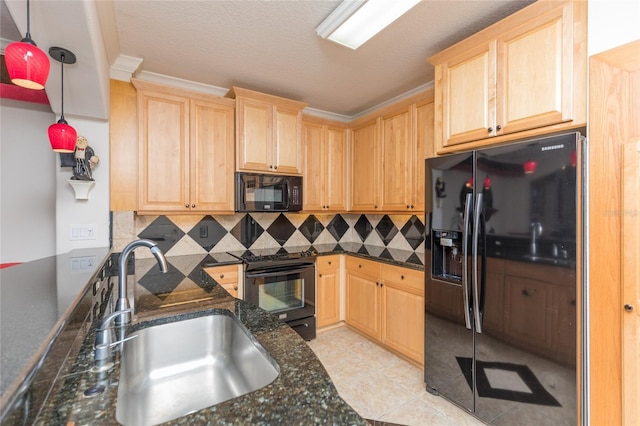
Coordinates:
(36, 298)
(303, 387)
(301, 394)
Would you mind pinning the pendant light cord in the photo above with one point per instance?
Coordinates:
(62, 120)
(27, 37)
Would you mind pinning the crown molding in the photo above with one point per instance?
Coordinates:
(395, 99)
(125, 67)
(181, 83)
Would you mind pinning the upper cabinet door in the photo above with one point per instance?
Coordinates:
(335, 176)
(313, 184)
(287, 143)
(397, 160)
(255, 122)
(212, 149)
(535, 81)
(365, 167)
(163, 152)
(468, 92)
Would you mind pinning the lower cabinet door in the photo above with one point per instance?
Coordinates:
(362, 304)
(328, 299)
(403, 322)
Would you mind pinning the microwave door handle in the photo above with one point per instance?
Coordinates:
(465, 266)
(287, 192)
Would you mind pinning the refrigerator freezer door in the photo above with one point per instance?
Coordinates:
(448, 341)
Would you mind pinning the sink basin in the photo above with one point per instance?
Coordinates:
(173, 369)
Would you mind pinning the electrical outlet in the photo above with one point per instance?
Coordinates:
(82, 263)
(204, 231)
(83, 232)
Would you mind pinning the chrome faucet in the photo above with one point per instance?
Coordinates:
(536, 231)
(122, 304)
(103, 344)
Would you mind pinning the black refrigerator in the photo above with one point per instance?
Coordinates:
(501, 280)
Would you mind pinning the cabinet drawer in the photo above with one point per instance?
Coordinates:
(327, 263)
(363, 266)
(223, 275)
(410, 278)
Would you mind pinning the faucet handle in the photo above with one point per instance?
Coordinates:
(105, 323)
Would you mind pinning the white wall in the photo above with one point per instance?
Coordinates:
(28, 192)
(95, 210)
(612, 23)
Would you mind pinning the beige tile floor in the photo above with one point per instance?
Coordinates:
(381, 386)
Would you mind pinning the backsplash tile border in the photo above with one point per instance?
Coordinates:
(127, 226)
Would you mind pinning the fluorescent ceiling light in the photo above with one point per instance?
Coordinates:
(354, 22)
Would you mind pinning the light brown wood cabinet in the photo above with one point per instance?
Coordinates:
(524, 73)
(387, 158)
(324, 166)
(268, 133)
(365, 167)
(185, 157)
(227, 277)
(403, 311)
(327, 290)
(363, 296)
(386, 302)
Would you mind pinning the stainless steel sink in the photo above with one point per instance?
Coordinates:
(173, 369)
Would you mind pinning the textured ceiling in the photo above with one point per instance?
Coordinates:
(269, 46)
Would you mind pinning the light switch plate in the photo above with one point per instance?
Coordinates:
(83, 232)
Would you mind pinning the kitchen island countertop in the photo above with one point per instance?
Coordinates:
(301, 394)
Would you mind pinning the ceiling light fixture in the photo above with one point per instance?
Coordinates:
(354, 22)
(61, 135)
(27, 65)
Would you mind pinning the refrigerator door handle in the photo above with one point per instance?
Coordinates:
(474, 256)
(465, 266)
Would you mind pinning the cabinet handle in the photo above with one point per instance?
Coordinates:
(573, 302)
(375, 207)
(275, 167)
(628, 307)
(319, 275)
(186, 205)
(271, 166)
(193, 206)
(526, 292)
(498, 127)
(221, 276)
(381, 285)
(359, 266)
(402, 277)
(490, 129)
(408, 206)
(235, 287)
(411, 205)
(329, 262)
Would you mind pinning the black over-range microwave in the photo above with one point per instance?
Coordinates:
(268, 193)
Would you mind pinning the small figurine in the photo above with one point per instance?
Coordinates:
(440, 190)
(85, 158)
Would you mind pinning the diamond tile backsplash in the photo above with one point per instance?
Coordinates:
(185, 235)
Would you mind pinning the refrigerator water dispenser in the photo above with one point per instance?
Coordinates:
(446, 263)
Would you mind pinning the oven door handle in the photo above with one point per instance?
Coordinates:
(271, 272)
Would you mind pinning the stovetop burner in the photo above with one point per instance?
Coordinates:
(251, 257)
(257, 259)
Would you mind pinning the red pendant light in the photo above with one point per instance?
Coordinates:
(530, 166)
(61, 135)
(27, 65)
